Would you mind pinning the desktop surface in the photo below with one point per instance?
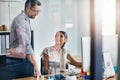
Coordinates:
(45, 77)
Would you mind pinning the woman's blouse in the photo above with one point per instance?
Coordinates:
(57, 59)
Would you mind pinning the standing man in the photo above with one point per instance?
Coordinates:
(20, 36)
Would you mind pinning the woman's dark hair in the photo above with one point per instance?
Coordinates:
(31, 3)
(65, 35)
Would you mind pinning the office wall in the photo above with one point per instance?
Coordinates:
(83, 20)
(8, 10)
(71, 16)
(3, 10)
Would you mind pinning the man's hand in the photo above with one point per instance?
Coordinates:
(36, 72)
(32, 59)
(13, 52)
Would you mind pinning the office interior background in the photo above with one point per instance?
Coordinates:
(72, 16)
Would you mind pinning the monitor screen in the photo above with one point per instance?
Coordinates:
(110, 45)
(86, 53)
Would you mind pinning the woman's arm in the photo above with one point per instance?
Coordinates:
(46, 63)
(73, 62)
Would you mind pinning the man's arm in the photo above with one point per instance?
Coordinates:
(32, 59)
(25, 46)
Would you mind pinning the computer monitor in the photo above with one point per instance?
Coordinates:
(110, 45)
(86, 53)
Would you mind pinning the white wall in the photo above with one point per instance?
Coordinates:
(54, 16)
(8, 10)
(4, 19)
(83, 20)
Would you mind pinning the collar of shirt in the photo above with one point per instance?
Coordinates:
(25, 16)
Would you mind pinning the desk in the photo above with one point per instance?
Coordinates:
(75, 57)
(30, 78)
(112, 78)
(45, 78)
(33, 78)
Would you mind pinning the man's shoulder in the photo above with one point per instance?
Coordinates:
(18, 17)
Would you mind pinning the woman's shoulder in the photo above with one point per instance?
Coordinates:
(47, 49)
(65, 50)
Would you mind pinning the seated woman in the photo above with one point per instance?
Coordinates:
(54, 57)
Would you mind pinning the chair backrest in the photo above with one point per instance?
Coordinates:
(42, 67)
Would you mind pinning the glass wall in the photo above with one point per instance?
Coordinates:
(71, 16)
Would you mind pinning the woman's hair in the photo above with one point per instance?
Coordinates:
(31, 3)
(65, 35)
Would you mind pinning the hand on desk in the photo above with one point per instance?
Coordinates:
(36, 72)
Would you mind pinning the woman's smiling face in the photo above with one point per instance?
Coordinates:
(59, 38)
